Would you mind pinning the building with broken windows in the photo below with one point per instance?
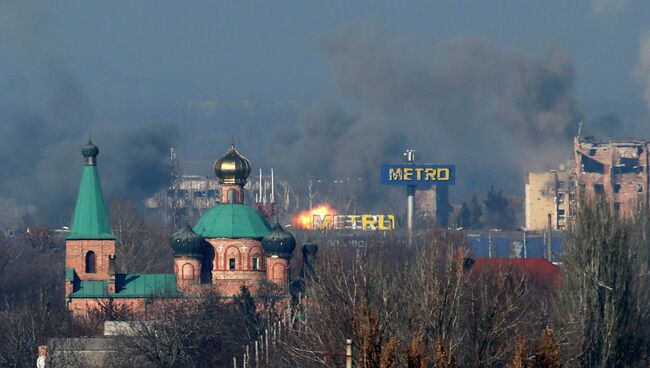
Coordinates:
(616, 171)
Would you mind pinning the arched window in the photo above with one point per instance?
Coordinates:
(91, 262)
(232, 196)
(187, 271)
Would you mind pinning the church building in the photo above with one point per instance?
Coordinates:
(230, 246)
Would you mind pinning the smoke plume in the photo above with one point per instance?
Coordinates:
(495, 112)
(45, 119)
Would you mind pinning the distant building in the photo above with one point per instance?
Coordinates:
(616, 171)
(547, 200)
(188, 198)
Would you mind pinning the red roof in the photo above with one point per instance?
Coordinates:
(539, 270)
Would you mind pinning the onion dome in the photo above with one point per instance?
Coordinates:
(279, 243)
(310, 249)
(186, 242)
(90, 152)
(232, 168)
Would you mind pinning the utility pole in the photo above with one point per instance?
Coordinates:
(175, 177)
(410, 197)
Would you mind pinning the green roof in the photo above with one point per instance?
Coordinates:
(232, 220)
(129, 286)
(90, 219)
(69, 274)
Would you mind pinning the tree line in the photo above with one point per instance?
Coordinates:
(420, 306)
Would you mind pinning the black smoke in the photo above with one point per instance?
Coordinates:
(493, 111)
(45, 119)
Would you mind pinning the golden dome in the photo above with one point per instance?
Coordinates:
(232, 168)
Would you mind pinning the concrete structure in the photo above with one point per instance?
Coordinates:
(231, 245)
(616, 171)
(432, 204)
(547, 197)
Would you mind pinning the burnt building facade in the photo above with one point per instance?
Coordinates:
(616, 171)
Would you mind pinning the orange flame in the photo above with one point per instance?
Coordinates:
(305, 219)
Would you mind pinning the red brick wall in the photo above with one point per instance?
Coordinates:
(187, 270)
(277, 271)
(75, 257)
(628, 190)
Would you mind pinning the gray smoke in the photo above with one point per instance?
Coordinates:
(45, 118)
(496, 113)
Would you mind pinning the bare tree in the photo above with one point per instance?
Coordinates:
(603, 301)
(204, 331)
(142, 246)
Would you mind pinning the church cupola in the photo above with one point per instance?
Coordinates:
(189, 248)
(90, 152)
(278, 248)
(187, 243)
(279, 243)
(232, 170)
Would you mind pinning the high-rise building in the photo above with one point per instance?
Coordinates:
(547, 200)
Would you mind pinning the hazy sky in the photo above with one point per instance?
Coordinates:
(358, 80)
(158, 50)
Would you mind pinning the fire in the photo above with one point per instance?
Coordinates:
(305, 219)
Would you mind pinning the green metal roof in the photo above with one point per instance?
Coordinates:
(232, 220)
(90, 219)
(130, 286)
(69, 274)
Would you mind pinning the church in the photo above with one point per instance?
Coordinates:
(230, 246)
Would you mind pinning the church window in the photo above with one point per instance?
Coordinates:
(256, 263)
(231, 264)
(91, 266)
(187, 271)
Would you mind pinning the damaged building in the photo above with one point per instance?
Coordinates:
(617, 171)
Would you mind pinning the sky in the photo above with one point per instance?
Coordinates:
(266, 50)
(132, 73)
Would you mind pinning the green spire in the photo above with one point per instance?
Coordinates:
(90, 219)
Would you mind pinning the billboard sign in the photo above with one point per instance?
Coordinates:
(353, 222)
(418, 175)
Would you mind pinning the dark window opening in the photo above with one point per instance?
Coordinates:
(560, 198)
(256, 263)
(639, 188)
(627, 165)
(592, 151)
(589, 165)
(560, 184)
(617, 188)
(617, 206)
(231, 264)
(599, 188)
(561, 214)
(629, 161)
(91, 262)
